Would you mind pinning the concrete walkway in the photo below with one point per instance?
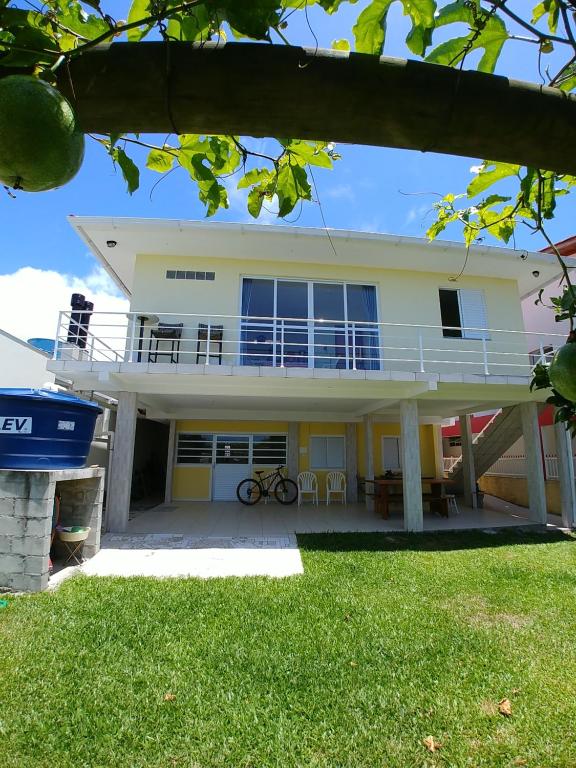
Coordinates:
(173, 555)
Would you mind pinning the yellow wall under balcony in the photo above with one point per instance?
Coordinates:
(194, 481)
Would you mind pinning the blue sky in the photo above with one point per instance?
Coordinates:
(373, 189)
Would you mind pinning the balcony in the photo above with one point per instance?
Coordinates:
(171, 343)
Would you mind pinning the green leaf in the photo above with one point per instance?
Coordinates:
(491, 38)
(160, 160)
(550, 7)
(309, 152)
(292, 185)
(489, 174)
(128, 167)
(255, 201)
(250, 18)
(370, 28)
(340, 45)
(255, 176)
(139, 9)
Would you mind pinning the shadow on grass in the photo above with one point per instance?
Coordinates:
(437, 541)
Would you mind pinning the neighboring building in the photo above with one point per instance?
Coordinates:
(24, 364)
(260, 345)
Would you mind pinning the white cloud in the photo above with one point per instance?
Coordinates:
(30, 299)
(341, 192)
(418, 213)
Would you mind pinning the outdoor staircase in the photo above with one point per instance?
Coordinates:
(498, 435)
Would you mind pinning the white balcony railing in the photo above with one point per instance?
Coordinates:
(143, 337)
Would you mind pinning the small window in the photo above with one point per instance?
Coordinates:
(200, 275)
(180, 275)
(327, 453)
(190, 275)
(194, 448)
(170, 274)
(391, 454)
(210, 275)
(455, 442)
(463, 314)
(269, 449)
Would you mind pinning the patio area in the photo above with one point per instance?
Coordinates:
(234, 520)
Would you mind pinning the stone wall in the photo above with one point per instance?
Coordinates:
(26, 509)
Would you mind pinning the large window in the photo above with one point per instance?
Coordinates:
(194, 448)
(297, 323)
(391, 454)
(327, 453)
(463, 314)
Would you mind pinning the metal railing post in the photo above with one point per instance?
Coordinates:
(485, 355)
(281, 344)
(353, 346)
(57, 339)
(421, 351)
(208, 334)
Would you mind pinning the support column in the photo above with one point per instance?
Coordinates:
(468, 468)
(292, 462)
(118, 503)
(170, 461)
(351, 463)
(534, 468)
(369, 459)
(411, 466)
(565, 475)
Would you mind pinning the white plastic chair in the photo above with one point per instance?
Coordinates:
(335, 484)
(307, 484)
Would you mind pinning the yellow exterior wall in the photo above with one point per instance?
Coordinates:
(193, 482)
(403, 296)
(427, 447)
(515, 490)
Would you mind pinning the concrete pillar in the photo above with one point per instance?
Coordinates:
(170, 461)
(369, 459)
(468, 468)
(118, 503)
(534, 467)
(293, 456)
(565, 475)
(351, 463)
(411, 466)
(438, 450)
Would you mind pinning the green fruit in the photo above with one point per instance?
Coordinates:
(41, 146)
(563, 371)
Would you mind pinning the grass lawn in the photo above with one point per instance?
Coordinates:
(384, 641)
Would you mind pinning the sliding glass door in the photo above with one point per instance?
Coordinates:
(305, 324)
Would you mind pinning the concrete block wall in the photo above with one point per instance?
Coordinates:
(26, 503)
(26, 508)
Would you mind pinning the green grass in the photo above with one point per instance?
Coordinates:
(384, 641)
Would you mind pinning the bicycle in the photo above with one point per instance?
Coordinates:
(251, 490)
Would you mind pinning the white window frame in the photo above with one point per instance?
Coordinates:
(326, 437)
(311, 320)
(215, 435)
(388, 437)
(467, 334)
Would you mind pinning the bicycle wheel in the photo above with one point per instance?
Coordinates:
(249, 491)
(286, 491)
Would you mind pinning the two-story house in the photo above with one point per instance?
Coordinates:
(266, 345)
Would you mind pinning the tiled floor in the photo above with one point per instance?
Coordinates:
(232, 519)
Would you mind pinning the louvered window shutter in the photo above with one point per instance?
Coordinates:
(473, 314)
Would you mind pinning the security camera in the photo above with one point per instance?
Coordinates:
(111, 243)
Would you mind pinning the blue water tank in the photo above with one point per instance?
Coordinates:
(46, 345)
(40, 429)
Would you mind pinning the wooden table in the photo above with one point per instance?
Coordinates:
(436, 499)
